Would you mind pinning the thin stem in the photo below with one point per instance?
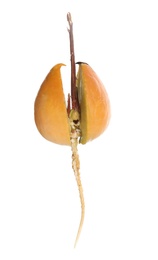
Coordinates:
(74, 97)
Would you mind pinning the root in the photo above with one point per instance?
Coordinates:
(75, 134)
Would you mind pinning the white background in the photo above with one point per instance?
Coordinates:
(39, 202)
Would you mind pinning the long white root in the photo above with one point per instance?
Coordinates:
(75, 134)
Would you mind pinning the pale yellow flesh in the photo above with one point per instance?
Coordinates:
(50, 109)
(94, 104)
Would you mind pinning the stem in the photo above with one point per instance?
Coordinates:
(74, 97)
